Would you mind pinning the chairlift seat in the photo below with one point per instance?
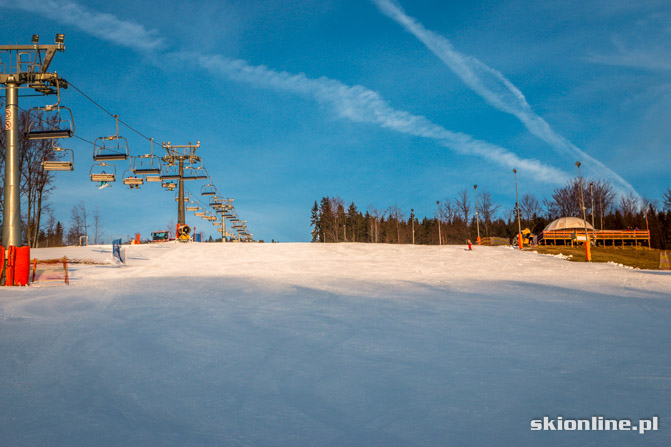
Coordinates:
(53, 165)
(103, 177)
(152, 178)
(133, 181)
(143, 171)
(110, 157)
(44, 134)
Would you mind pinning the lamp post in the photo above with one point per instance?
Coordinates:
(412, 217)
(588, 254)
(477, 218)
(517, 208)
(591, 194)
(440, 237)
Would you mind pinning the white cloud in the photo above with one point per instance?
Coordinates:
(497, 91)
(102, 25)
(362, 105)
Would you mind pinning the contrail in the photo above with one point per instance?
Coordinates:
(496, 90)
(356, 103)
(362, 105)
(103, 26)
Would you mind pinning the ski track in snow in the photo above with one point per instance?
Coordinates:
(332, 345)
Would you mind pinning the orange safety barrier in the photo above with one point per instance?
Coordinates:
(22, 266)
(65, 266)
(18, 266)
(11, 259)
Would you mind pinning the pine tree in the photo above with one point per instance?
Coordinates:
(315, 223)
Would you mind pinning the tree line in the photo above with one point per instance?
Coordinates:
(455, 220)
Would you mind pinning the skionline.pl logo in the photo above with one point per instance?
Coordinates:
(595, 423)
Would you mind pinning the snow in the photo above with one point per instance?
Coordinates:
(332, 345)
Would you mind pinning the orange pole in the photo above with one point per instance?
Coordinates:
(588, 253)
(65, 266)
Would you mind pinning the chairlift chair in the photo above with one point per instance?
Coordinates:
(43, 128)
(147, 164)
(99, 172)
(132, 180)
(152, 178)
(170, 172)
(112, 148)
(208, 190)
(59, 159)
(169, 185)
(192, 208)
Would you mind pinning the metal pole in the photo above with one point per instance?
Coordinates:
(517, 207)
(477, 219)
(223, 228)
(588, 253)
(181, 217)
(440, 237)
(11, 221)
(591, 193)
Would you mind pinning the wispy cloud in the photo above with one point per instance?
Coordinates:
(496, 90)
(362, 105)
(102, 25)
(355, 103)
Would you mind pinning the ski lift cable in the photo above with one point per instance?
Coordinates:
(108, 112)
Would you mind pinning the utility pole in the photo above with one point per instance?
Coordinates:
(440, 237)
(588, 253)
(17, 71)
(178, 154)
(517, 207)
(477, 216)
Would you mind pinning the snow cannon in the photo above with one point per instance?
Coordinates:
(527, 236)
(183, 233)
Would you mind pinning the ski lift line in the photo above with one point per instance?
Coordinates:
(108, 112)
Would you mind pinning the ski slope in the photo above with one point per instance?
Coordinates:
(332, 345)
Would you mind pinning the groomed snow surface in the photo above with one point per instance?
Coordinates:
(332, 345)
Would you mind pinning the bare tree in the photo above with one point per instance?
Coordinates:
(376, 214)
(36, 183)
(396, 214)
(78, 223)
(530, 207)
(463, 204)
(97, 227)
(667, 199)
(629, 207)
(488, 210)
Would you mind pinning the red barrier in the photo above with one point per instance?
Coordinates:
(22, 266)
(11, 258)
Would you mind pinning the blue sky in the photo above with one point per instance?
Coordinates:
(379, 102)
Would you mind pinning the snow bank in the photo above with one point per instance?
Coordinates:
(332, 344)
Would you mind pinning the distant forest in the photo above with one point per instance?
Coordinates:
(332, 220)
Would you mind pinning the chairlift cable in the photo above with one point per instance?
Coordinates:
(108, 112)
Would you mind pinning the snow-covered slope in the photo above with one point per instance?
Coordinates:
(332, 344)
